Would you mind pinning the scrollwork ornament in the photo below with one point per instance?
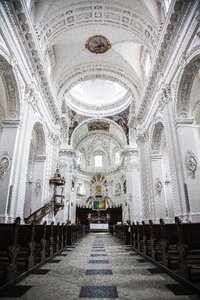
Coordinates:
(4, 165)
(191, 163)
(158, 186)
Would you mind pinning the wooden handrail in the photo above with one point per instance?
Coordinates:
(40, 213)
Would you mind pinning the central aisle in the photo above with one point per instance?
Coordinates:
(99, 267)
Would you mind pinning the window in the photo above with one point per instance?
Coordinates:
(98, 161)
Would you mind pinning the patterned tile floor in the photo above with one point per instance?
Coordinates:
(99, 268)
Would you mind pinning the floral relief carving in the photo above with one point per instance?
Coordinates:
(191, 163)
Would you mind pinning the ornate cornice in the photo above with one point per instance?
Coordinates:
(101, 110)
(19, 20)
(76, 15)
(165, 96)
(115, 72)
(142, 137)
(171, 32)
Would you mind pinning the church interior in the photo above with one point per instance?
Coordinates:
(100, 149)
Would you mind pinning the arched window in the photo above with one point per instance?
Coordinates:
(98, 161)
(117, 158)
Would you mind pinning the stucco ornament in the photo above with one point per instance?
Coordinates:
(38, 187)
(4, 165)
(158, 186)
(191, 163)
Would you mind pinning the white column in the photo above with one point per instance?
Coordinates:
(134, 204)
(175, 166)
(148, 204)
(65, 167)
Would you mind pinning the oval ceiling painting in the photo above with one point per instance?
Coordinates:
(98, 44)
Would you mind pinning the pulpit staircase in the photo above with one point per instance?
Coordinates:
(54, 205)
(39, 214)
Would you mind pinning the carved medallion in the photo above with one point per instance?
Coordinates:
(191, 163)
(98, 44)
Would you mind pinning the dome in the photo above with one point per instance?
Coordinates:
(98, 96)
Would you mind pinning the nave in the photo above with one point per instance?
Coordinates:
(98, 266)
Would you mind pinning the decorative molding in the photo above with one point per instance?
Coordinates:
(38, 187)
(27, 37)
(142, 137)
(158, 186)
(99, 110)
(164, 97)
(185, 87)
(55, 138)
(77, 15)
(5, 162)
(170, 34)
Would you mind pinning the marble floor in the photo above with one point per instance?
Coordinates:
(99, 267)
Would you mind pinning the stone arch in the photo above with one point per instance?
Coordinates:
(81, 131)
(161, 173)
(35, 171)
(185, 87)
(10, 95)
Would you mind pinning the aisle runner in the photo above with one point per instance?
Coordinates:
(98, 291)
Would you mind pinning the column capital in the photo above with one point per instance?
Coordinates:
(181, 122)
(11, 123)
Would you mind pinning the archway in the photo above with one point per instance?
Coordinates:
(161, 175)
(188, 128)
(35, 173)
(9, 123)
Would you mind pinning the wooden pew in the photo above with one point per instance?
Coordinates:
(65, 236)
(40, 242)
(139, 237)
(190, 236)
(56, 238)
(9, 250)
(170, 241)
(26, 242)
(120, 232)
(146, 238)
(61, 237)
(156, 236)
(49, 240)
(133, 235)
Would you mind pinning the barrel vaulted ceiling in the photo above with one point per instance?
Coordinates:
(63, 28)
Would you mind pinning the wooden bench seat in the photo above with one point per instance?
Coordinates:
(9, 250)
